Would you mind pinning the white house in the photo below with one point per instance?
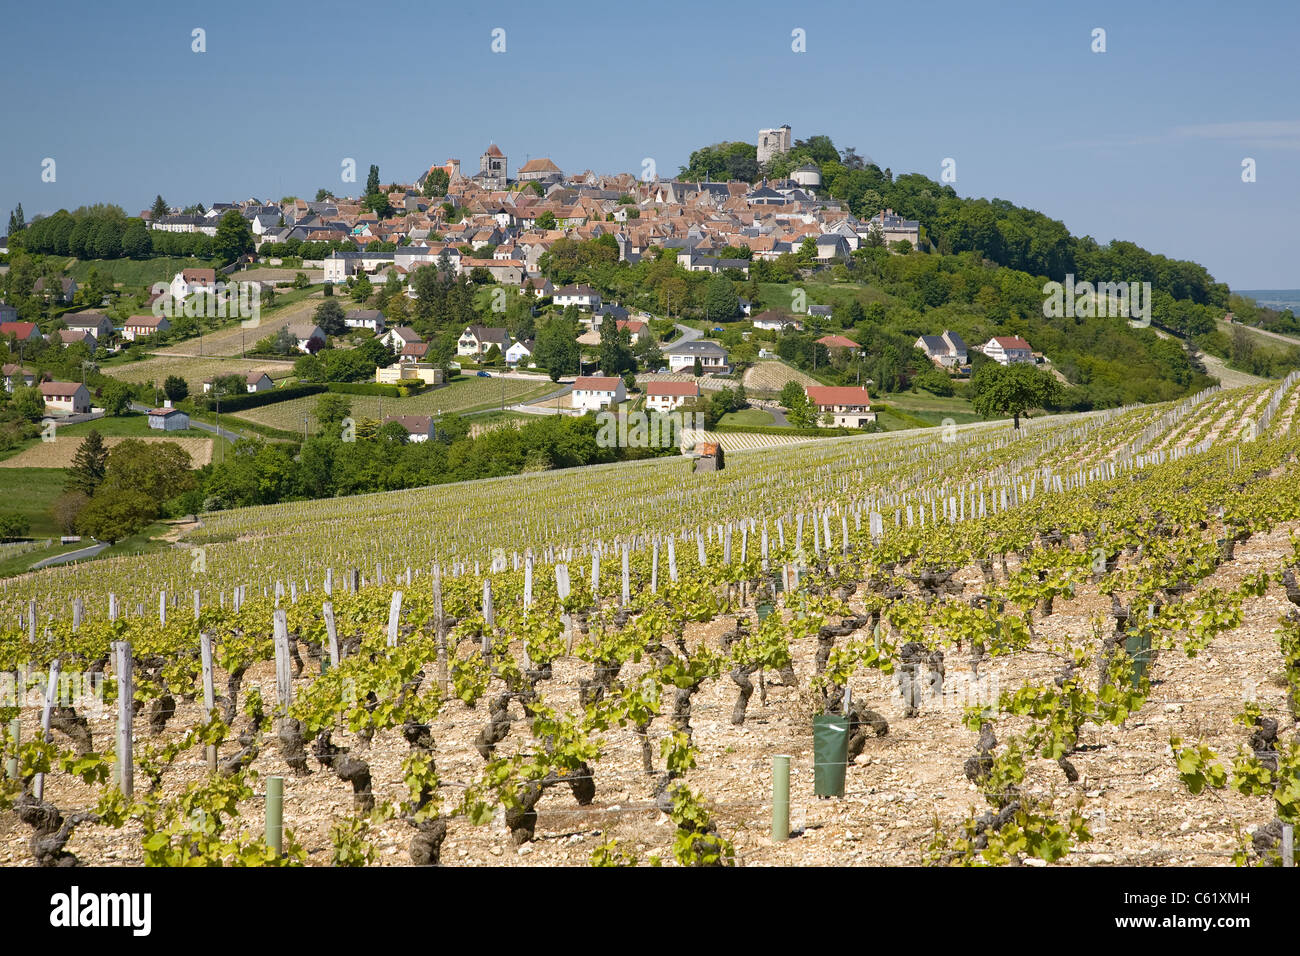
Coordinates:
(96, 323)
(773, 321)
(477, 340)
(69, 397)
(583, 296)
(1008, 350)
(259, 382)
(168, 419)
(418, 427)
(371, 319)
(15, 374)
(520, 352)
(947, 350)
(189, 282)
(665, 396)
(142, 326)
(305, 334)
(712, 356)
(68, 337)
(400, 336)
(67, 288)
(594, 392)
(847, 406)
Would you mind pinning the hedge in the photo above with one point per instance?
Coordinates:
(374, 388)
(236, 403)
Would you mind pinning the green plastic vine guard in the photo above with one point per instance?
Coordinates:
(830, 754)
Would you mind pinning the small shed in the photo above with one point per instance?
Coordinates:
(168, 419)
(708, 456)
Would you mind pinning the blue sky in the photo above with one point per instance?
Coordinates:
(1143, 142)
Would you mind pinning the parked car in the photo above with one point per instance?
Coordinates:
(484, 374)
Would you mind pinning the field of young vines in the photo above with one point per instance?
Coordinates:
(1075, 644)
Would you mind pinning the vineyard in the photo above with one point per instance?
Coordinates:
(1075, 644)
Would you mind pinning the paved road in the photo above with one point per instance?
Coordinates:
(195, 423)
(77, 555)
(688, 335)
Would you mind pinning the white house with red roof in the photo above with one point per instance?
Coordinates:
(1008, 350)
(841, 406)
(188, 282)
(663, 397)
(142, 326)
(69, 397)
(594, 392)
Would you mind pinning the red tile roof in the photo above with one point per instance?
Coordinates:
(689, 389)
(1011, 342)
(824, 395)
(837, 342)
(597, 383)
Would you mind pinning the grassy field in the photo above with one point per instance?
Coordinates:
(59, 453)
(777, 295)
(156, 368)
(461, 396)
(135, 273)
(747, 416)
(31, 492)
(930, 408)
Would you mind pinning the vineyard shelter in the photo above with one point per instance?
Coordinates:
(168, 419)
(708, 456)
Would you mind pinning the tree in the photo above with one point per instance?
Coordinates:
(330, 317)
(176, 388)
(323, 194)
(136, 243)
(159, 470)
(28, 402)
(1013, 390)
(116, 398)
(372, 180)
(116, 515)
(14, 525)
(362, 289)
(720, 299)
(698, 369)
(648, 354)
(615, 348)
(802, 413)
(67, 507)
(88, 465)
(17, 220)
(159, 208)
(546, 220)
(436, 183)
(556, 348)
(234, 237)
(331, 409)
